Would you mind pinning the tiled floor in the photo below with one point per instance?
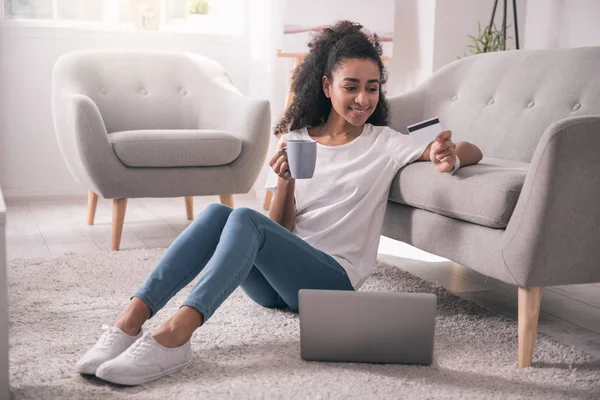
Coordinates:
(571, 314)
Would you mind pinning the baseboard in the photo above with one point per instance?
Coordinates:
(57, 198)
(16, 197)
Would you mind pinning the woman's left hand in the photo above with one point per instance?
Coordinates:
(443, 152)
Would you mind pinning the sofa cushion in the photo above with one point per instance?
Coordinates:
(484, 194)
(175, 148)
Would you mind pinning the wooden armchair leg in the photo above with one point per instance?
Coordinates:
(268, 199)
(189, 207)
(92, 203)
(227, 199)
(118, 218)
(530, 300)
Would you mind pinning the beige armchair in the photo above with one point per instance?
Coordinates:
(136, 124)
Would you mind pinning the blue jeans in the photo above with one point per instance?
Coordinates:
(239, 247)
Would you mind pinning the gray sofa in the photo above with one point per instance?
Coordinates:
(134, 124)
(528, 213)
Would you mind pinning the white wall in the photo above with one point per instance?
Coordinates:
(455, 19)
(413, 45)
(432, 33)
(268, 74)
(561, 23)
(374, 15)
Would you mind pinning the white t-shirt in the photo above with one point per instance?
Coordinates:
(340, 209)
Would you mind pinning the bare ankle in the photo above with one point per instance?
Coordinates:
(131, 330)
(133, 317)
(178, 329)
(127, 323)
(172, 337)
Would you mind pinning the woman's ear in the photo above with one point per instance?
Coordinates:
(326, 87)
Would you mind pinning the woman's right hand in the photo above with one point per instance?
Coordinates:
(279, 163)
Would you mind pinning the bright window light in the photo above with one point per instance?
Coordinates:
(195, 16)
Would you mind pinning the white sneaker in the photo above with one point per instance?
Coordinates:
(145, 361)
(112, 343)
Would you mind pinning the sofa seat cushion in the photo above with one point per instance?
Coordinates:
(175, 148)
(484, 194)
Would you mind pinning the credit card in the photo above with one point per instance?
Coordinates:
(425, 131)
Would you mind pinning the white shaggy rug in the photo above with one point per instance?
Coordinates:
(57, 306)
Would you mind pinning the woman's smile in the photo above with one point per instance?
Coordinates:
(360, 111)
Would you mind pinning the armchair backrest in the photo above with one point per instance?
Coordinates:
(504, 101)
(142, 89)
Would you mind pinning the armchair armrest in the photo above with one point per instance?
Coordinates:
(85, 146)
(249, 119)
(552, 237)
(406, 109)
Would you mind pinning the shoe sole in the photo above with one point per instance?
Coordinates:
(86, 370)
(140, 380)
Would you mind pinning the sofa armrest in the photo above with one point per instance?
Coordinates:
(87, 149)
(552, 237)
(406, 109)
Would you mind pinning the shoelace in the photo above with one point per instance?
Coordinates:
(139, 348)
(109, 336)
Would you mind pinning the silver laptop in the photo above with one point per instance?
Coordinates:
(373, 327)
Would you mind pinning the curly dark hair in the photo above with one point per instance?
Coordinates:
(328, 49)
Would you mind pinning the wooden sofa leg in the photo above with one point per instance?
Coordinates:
(227, 199)
(92, 203)
(118, 218)
(530, 300)
(189, 207)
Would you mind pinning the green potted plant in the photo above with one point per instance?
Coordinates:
(195, 7)
(196, 10)
(494, 38)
